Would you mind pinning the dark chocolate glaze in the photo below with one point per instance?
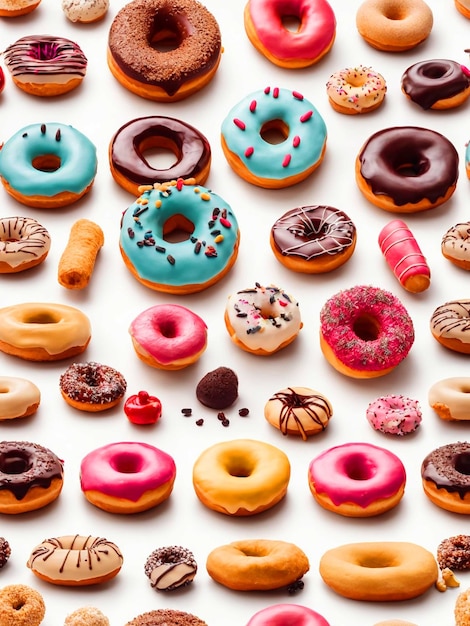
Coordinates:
(448, 467)
(24, 465)
(313, 231)
(409, 164)
(191, 148)
(429, 81)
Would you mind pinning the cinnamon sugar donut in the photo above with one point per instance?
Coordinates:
(21, 605)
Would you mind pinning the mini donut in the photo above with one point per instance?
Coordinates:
(445, 477)
(187, 33)
(313, 239)
(407, 169)
(48, 165)
(171, 567)
(31, 477)
(394, 415)
(75, 560)
(5, 552)
(129, 167)
(78, 259)
(92, 386)
(356, 90)
(298, 411)
(241, 477)
(357, 479)
(166, 617)
(85, 11)
(262, 320)
(302, 47)
(24, 243)
(43, 65)
(287, 614)
(449, 325)
(394, 25)
(280, 112)
(37, 331)
(19, 397)
(454, 553)
(86, 616)
(257, 564)
(365, 332)
(455, 245)
(15, 8)
(21, 605)
(436, 84)
(208, 237)
(463, 7)
(379, 571)
(127, 477)
(168, 336)
(450, 398)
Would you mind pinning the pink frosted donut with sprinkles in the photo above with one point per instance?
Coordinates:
(356, 90)
(394, 415)
(274, 138)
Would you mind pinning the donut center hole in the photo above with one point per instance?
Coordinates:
(292, 23)
(239, 467)
(409, 164)
(43, 51)
(168, 329)
(377, 561)
(159, 153)
(18, 605)
(46, 163)
(366, 327)
(394, 13)
(14, 463)
(435, 71)
(274, 131)
(166, 34)
(41, 318)
(359, 468)
(127, 463)
(177, 228)
(462, 464)
(357, 81)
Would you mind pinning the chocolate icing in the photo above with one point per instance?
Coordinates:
(448, 467)
(429, 81)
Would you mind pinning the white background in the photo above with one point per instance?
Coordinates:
(112, 300)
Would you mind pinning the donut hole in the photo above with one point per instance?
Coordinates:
(177, 228)
(18, 604)
(394, 13)
(409, 164)
(274, 131)
(46, 163)
(44, 50)
(462, 464)
(372, 561)
(126, 463)
(159, 153)
(358, 467)
(166, 34)
(291, 23)
(356, 80)
(41, 318)
(435, 71)
(239, 467)
(366, 327)
(14, 462)
(167, 328)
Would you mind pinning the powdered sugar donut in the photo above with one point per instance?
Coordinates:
(394, 415)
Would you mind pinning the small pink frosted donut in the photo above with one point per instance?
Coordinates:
(168, 336)
(127, 477)
(357, 479)
(394, 415)
(284, 614)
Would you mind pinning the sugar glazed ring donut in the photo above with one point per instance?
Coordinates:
(186, 27)
(450, 327)
(287, 614)
(31, 477)
(210, 237)
(45, 65)
(313, 239)
(454, 553)
(394, 415)
(128, 164)
(356, 90)
(379, 571)
(75, 560)
(257, 565)
(450, 398)
(24, 243)
(455, 245)
(286, 114)
(43, 331)
(19, 397)
(394, 25)
(365, 332)
(436, 84)
(92, 386)
(171, 567)
(407, 169)
(21, 605)
(166, 617)
(308, 43)
(241, 477)
(445, 477)
(48, 165)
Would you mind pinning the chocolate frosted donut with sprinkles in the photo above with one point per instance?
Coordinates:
(43, 65)
(450, 325)
(274, 138)
(92, 386)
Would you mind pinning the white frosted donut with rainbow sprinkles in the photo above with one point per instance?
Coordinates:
(356, 90)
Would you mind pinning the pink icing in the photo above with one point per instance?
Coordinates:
(394, 415)
(402, 252)
(126, 470)
(360, 473)
(314, 36)
(287, 614)
(169, 332)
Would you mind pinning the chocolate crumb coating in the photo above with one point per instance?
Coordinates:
(171, 567)
(218, 389)
(166, 617)
(5, 551)
(454, 553)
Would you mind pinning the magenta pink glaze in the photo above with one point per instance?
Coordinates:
(357, 472)
(287, 615)
(126, 470)
(169, 332)
(317, 30)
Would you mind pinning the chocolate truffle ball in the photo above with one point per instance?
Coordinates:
(218, 389)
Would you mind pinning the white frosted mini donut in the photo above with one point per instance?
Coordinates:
(18, 397)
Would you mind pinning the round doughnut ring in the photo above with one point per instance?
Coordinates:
(129, 166)
(92, 386)
(449, 325)
(436, 84)
(19, 397)
(356, 90)
(445, 477)
(450, 398)
(21, 605)
(24, 243)
(170, 568)
(284, 614)
(454, 553)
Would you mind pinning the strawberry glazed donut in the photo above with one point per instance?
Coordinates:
(287, 614)
(314, 37)
(365, 332)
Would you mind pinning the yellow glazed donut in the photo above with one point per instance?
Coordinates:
(241, 477)
(356, 90)
(18, 397)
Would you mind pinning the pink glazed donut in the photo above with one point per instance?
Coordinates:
(283, 614)
(357, 479)
(127, 477)
(168, 336)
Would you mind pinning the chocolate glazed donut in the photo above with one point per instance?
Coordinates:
(127, 159)
(429, 82)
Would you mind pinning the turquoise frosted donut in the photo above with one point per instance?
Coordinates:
(296, 123)
(48, 165)
(202, 222)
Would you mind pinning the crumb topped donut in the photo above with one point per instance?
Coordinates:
(171, 567)
(436, 84)
(92, 386)
(5, 551)
(21, 605)
(86, 616)
(24, 243)
(356, 90)
(166, 617)
(454, 553)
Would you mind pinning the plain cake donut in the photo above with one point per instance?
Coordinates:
(24, 243)
(285, 614)
(450, 398)
(19, 397)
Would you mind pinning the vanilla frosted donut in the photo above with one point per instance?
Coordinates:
(455, 245)
(24, 243)
(19, 397)
(85, 11)
(450, 398)
(356, 90)
(450, 325)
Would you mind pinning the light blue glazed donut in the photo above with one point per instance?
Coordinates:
(274, 165)
(48, 165)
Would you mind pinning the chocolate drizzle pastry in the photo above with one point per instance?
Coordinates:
(170, 568)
